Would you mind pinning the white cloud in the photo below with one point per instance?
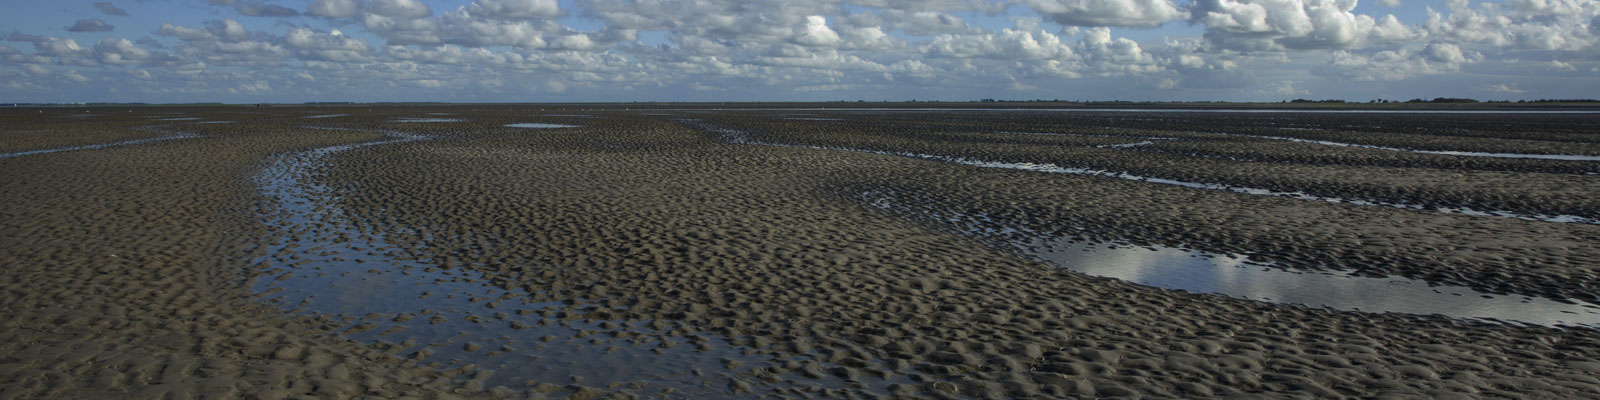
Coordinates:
(333, 8)
(74, 76)
(404, 9)
(816, 33)
(1502, 88)
(120, 51)
(922, 22)
(1435, 58)
(1559, 25)
(515, 8)
(328, 46)
(1296, 24)
(1131, 13)
(1008, 44)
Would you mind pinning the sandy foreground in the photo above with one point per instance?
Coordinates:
(434, 252)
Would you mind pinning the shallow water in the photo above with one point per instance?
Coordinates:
(540, 125)
(100, 146)
(411, 120)
(1126, 145)
(1233, 276)
(1566, 157)
(451, 317)
(740, 137)
(325, 116)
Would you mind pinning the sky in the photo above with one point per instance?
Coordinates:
(251, 51)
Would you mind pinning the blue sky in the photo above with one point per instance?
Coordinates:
(714, 50)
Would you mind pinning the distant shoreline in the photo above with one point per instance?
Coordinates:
(844, 105)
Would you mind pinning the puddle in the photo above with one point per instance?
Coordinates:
(214, 122)
(1126, 145)
(1229, 275)
(1564, 157)
(1087, 134)
(325, 116)
(101, 145)
(412, 120)
(740, 137)
(178, 119)
(451, 318)
(539, 125)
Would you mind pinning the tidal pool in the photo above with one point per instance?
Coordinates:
(1566, 157)
(417, 120)
(540, 125)
(1233, 276)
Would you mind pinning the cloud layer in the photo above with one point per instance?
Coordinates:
(623, 50)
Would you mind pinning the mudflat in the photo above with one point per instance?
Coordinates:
(525, 251)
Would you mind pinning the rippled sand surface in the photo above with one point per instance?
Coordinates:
(515, 252)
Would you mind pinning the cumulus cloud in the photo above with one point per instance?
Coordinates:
(110, 9)
(817, 33)
(1389, 65)
(1549, 25)
(1008, 44)
(226, 30)
(333, 8)
(120, 51)
(326, 46)
(921, 23)
(1296, 24)
(515, 8)
(404, 9)
(1130, 13)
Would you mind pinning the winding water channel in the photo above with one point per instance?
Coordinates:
(131, 142)
(1229, 275)
(741, 137)
(387, 297)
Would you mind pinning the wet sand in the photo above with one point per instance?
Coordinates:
(648, 242)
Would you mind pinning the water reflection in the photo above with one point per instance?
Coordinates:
(419, 120)
(1202, 272)
(1566, 157)
(101, 145)
(740, 137)
(539, 125)
(450, 318)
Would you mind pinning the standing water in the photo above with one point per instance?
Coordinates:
(320, 264)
